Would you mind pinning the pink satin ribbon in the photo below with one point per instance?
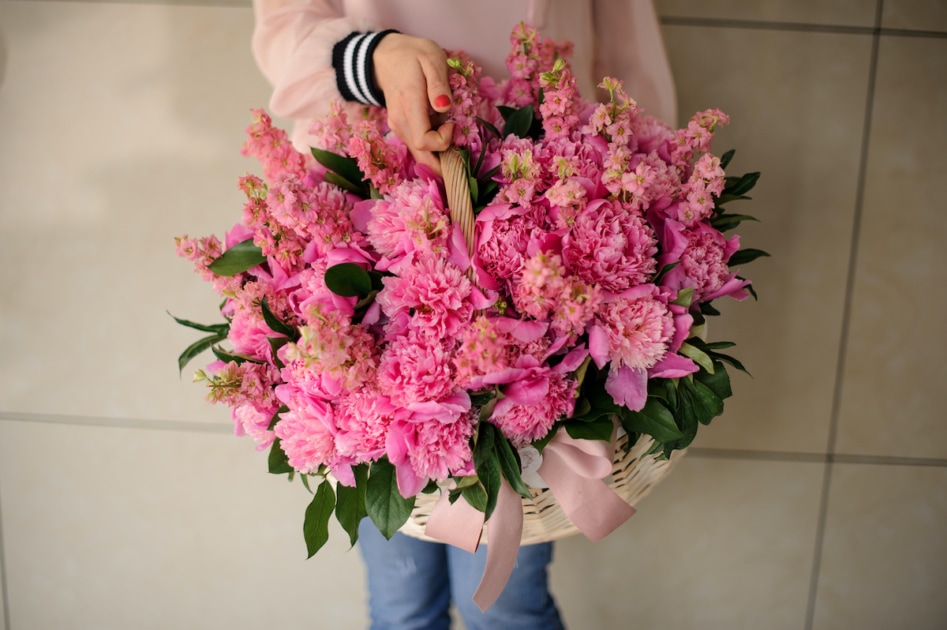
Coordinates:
(574, 470)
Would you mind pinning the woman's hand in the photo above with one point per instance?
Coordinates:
(412, 74)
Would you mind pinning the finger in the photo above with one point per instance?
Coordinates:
(434, 67)
(428, 158)
(437, 139)
(415, 124)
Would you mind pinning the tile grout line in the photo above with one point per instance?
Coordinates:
(664, 20)
(814, 458)
(846, 323)
(704, 452)
(765, 25)
(116, 423)
(3, 571)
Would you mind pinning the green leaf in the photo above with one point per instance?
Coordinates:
(474, 189)
(750, 289)
(275, 324)
(227, 356)
(487, 465)
(581, 371)
(666, 268)
(385, 505)
(684, 297)
(654, 419)
(582, 407)
(220, 329)
(745, 256)
(510, 465)
(711, 350)
(724, 222)
(741, 185)
(476, 496)
(350, 503)
(275, 344)
(278, 462)
(686, 418)
(726, 157)
(600, 429)
(726, 198)
(519, 122)
(706, 404)
(242, 256)
(196, 348)
(698, 356)
(718, 381)
(348, 280)
(276, 418)
(337, 180)
(316, 523)
(345, 167)
(707, 309)
(489, 126)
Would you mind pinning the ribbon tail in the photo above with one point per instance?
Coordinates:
(505, 530)
(458, 524)
(589, 503)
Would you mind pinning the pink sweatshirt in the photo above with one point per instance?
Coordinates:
(293, 40)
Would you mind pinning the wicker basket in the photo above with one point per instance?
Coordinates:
(634, 472)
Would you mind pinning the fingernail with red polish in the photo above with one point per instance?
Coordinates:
(442, 101)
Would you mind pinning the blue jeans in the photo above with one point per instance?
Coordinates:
(411, 583)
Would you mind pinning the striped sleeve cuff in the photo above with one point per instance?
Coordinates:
(354, 71)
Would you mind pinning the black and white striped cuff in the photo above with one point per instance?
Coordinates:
(354, 71)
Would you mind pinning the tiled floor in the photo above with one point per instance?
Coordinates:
(816, 502)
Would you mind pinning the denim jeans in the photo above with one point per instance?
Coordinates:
(411, 584)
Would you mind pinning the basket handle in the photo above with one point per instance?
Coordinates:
(458, 194)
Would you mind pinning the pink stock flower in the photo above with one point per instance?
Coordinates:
(694, 140)
(272, 147)
(381, 162)
(333, 131)
(484, 349)
(248, 389)
(540, 285)
(340, 354)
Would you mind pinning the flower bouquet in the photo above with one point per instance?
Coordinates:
(391, 353)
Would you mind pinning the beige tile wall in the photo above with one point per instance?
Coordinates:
(817, 501)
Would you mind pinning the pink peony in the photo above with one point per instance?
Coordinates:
(412, 219)
(430, 443)
(416, 367)
(362, 420)
(502, 243)
(611, 246)
(703, 253)
(306, 430)
(432, 293)
(632, 330)
(525, 422)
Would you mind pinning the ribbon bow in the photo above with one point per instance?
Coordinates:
(574, 471)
